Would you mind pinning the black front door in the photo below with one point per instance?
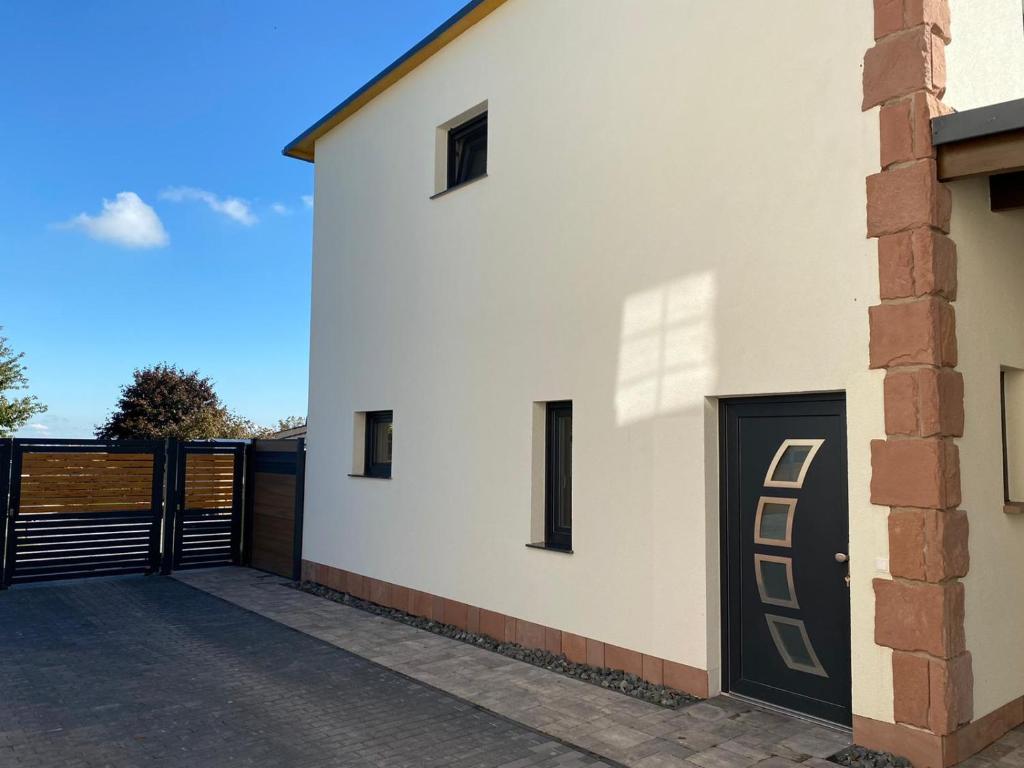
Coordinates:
(785, 534)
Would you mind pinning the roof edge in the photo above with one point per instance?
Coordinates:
(978, 122)
(303, 146)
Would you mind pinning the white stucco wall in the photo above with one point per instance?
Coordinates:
(674, 212)
(985, 61)
(990, 332)
(985, 65)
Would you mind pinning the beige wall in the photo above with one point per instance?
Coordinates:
(674, 212)
(985, 65)
(990, 330)
(985, 62)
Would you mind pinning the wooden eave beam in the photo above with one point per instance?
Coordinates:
(983, 156)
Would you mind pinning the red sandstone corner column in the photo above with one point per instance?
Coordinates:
(915, 471)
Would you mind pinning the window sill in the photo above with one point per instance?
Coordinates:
(549, 548)
(370, 477)
(1013, 508)
(464, 184)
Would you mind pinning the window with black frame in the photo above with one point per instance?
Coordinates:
(467, 151)
(558, 476)
(379, 440)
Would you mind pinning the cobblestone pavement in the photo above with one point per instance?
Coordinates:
(1007, 752)
(719, 733)
(149, 672)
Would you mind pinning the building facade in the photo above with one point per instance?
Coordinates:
(614, 351)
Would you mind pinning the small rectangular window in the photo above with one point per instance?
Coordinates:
(558, 476)
(379, 439)
(467, 151)
(1011, 396)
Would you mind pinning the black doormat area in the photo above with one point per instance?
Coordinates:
(612, 679)
(862, 757)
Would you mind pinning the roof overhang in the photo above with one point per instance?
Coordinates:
(988, 141)
(303, 147)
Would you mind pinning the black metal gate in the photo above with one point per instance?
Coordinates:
(208, 504)
(75, 508)
(83, 508)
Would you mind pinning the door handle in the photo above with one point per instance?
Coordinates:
(842, 557)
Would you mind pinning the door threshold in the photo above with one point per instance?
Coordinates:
(788, 712)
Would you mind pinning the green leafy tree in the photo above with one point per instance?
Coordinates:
(15, 412)
(166, 401)
(239, 428)
(290, 422)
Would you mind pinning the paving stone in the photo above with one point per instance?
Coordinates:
(662, 760)
(746, 750)
(620, 728)
(717, 757)
(147, 671)
(817, 741)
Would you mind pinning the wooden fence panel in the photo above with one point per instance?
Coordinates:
(275, 504)
(209, 480)
(59, 482)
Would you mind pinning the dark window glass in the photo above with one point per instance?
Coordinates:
(1002, 413)
(379, 438)
(467, 151)
(558, 476)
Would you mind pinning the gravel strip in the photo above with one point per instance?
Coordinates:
(861, 757)
(613, 680)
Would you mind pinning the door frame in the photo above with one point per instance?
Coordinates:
(724, 569)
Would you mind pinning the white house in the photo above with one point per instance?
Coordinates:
(614, 352)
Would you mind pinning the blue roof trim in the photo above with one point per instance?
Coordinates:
(451, 21)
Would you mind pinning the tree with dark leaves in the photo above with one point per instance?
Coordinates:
(166, 401)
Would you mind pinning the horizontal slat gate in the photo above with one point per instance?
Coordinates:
(73, 508)
(84, 509)
(208, 529)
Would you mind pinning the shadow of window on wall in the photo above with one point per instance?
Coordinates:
(667, 349)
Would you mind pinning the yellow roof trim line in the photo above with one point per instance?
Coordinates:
(302, 148)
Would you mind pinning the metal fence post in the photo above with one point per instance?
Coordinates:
(6, 456)
(248, 503)
(170, 506)
(158, 489)
(237, 504)
(300, 501)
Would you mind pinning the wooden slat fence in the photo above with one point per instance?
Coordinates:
(276, 480)
(71, 508)
(86, 482)
(91, 508)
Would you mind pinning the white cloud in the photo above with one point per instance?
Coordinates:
(232, 207)
(39, 427)
(280, 209)
(126, 221)
(308, 200)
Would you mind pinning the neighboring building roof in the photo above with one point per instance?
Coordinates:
(289, 434)
(302, 148)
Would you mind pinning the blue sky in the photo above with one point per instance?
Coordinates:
(205, 263)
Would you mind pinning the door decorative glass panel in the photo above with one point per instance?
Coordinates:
(790, 636)
(775, 580)
(789, 467)
(773, 523)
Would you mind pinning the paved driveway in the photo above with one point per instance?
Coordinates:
(149, 671)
